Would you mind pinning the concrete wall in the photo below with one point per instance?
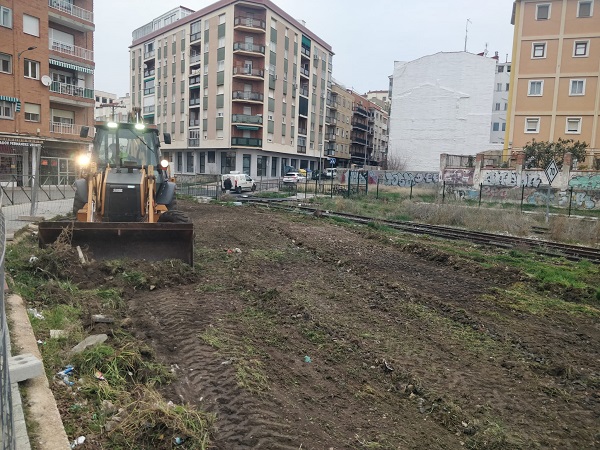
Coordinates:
(441, 104)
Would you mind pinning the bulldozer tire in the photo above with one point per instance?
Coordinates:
(174, 217)
(173, 205)
(77, 205)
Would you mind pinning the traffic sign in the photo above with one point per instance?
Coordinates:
(332, 161)
(551, 172)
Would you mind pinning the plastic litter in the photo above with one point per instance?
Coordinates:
(34, 312)
(80, 440)
(99, 376)
(67, 370)
(33, 259)
(178, 440)
(307, 359)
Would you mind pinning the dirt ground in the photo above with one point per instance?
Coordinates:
(300, 333)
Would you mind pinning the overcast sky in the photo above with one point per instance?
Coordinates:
(366, 36)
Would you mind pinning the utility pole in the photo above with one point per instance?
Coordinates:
(112, 105)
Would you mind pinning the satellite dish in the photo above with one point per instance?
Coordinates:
(46, 80)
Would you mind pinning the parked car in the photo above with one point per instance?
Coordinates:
(293, 177)
(316, 175)
(237, 182)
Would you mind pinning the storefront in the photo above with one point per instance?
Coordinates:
(15, 160)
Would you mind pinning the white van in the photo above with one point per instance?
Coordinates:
(331, 172)
(237, 182)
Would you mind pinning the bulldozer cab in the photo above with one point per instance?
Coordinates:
(126, 146)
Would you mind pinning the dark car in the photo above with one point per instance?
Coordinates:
(316, 175)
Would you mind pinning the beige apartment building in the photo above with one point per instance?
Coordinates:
(339, 126)
(46, 87)
(555, 72)
(240, 85)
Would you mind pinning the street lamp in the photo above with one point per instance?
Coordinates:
(23, 51)
(18, 81)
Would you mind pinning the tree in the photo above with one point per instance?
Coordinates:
(540, 154)
(396, 162)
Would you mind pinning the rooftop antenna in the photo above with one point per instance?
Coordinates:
(467, 32)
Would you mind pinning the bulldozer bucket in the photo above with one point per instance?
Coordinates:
(132, 240)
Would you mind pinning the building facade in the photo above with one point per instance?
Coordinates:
(110, 107)
(441, 104)
(339, 128)
(240, 85)
(46, 87)
(555, 73)
(500, 103)
(380, 98)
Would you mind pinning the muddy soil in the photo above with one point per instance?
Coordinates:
(298, 332)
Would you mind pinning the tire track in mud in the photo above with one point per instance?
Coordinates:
(172, 322)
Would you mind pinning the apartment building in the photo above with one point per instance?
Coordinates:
(441, 104)
(240, 85)
(110, 107)
(500, 103)
(555, 72)
(339, 127)
(381, 98)
(46, 87)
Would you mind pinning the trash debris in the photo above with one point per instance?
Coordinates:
(80, 440)
(55, 334)
(230, 251)
(33, 259)
(89, 341)
(178, 440)
(99, 376)
(66, 371)
(307, 359)
(39, 341)
(101, 318)
(34, 312)
(387, 367)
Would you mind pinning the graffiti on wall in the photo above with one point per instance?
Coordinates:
(584, 200)
(407, 179)
(459, 176)
(510, 178)
(585, 181)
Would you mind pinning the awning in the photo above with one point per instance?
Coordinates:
(12, 100)
(246, 127)
(67, 65)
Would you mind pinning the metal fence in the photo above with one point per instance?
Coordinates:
(7, 430)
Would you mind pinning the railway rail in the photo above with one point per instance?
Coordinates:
(539, 246)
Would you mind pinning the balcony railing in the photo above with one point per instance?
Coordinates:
(193, 142)
(304, 71)
(148, 55)
(148, 110)
(68, 8)
(303, 91)
(149, 91)
(194, 80)
(360, 110)
(194, 58)
(301, 149)
(194, 122)
(71, 50)
(242, 70)
(69, 89)
(360, 126)
(195, 36)
(194, 101)
(331, 120)
(246, 95)
(149, 73)
(249, 22)
(246, 118)
(356, 140)
(305, 51)
(65, 128)
(246, 142)
(330, 137)
(248, 47)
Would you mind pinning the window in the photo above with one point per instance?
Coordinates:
(6, 110)
(573, 125)
(536, 88)
(577, 87)
(497, 107)
(542, 11)
(504, 127)
(498, 87)
(496, 126)
(500, 70)
(585, 8)
(189, 162)
(32, 112)
(221, 19)
(5, 63)
(31, 25)
(507, 86)
(31, 69)
(580, 48)
(538, 50)
(532, 125)
(5, 17)
(211, 157)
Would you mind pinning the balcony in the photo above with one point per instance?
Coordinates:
(194, 122)
(148, 110)
(71, 50)
(195, 101)
(149, 55)
(65, 128)
(149, 91)
(303, 92)
(246, 118)
(245, 142)
(149, 73)
(305, 51)
(359, 141)
(194, 80)
(304, 71)
(301, 148)
(360, 126)
(247, 72)
(331, 137)
(195, 36)
(250, 24)
(248, 96)
(195, 58)
(360, 110)
(248, 48)
(72, 90)
(302, 131)
(330, 120)
(194, 142)
(67, 8)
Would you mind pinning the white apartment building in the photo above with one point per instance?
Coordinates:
(441, 104)
(240, 85)
(500, 103)
(110, 107)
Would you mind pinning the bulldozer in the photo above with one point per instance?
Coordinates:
(124, 203)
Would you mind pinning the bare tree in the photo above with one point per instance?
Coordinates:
(396, 162)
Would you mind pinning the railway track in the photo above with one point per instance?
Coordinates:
(543, 247)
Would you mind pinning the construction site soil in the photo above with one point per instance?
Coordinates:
(299, 332)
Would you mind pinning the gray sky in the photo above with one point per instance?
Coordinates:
(366, 36)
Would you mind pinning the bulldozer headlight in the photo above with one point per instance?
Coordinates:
(139, 126)
(164, 164)
(83, 160)
(112, 125)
